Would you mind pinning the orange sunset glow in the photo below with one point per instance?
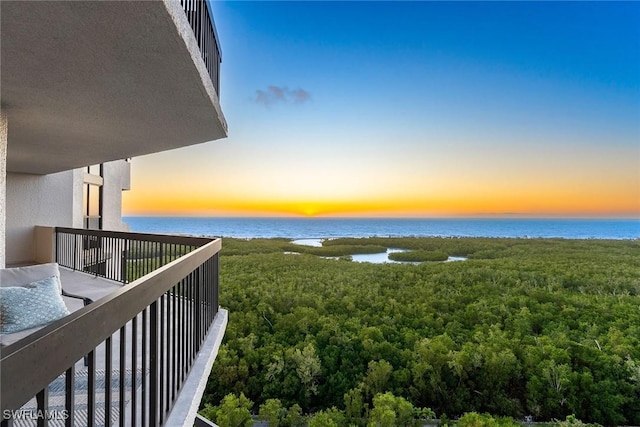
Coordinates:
(421, 123)
(589, 184)
(553, 202)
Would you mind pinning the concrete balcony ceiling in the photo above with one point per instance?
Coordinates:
(88, 82)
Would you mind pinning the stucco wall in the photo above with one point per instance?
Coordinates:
(56, 200)
(3, 184)
(32, 200)
(117, 177)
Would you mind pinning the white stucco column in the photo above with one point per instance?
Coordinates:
(3, 184)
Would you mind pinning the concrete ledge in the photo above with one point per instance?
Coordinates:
(186, 407)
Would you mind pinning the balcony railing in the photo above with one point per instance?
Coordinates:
(138, 344)
(120, 256)
(201, 20)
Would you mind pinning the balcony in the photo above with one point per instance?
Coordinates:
(201, 20)
(84, 83)
(139, 355)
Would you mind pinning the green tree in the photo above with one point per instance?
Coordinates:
(354, 406)
(424, 413)
(546, 327)
(307, 366)
(235, 411)
(378, 376)
(432, 375)
(273, 412)
(389, 410)
(209, 411)
(328, 418)
(382, 417)
(571, 421)
(294, 416)
(473, 419)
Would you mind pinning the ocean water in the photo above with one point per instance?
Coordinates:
(314, 228)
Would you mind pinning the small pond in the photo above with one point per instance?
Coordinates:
(456, 258)
(380, 258)
(376, 258)
(316, 243)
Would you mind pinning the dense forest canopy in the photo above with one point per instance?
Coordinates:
(525, 327)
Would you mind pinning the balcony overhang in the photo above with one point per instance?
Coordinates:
(89, 82)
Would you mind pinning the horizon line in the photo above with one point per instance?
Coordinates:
(426, 217)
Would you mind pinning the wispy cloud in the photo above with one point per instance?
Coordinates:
(276, 94)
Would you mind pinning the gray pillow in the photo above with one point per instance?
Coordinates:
(31, 305)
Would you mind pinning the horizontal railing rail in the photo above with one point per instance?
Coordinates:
(119, 256)
(138, 344)
(201, 20)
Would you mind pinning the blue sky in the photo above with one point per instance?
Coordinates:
(418, 109)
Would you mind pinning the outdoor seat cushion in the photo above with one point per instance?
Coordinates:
(25, 277)
(21, 276)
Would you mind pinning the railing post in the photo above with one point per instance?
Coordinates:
(153, 364)
(75, 251)
(70, 398)
(216, 281)
(143, 349)
(123, 262)
(43, 405)
(108, 360)
(198, 307)
(162, 406)
(134, 367)
(55, 232)
(122, 404)
(91, 389)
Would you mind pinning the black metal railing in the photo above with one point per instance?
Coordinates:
(201, 20)
(123, 359)
(119, 256)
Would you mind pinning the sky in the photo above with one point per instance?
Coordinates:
(414, 109)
